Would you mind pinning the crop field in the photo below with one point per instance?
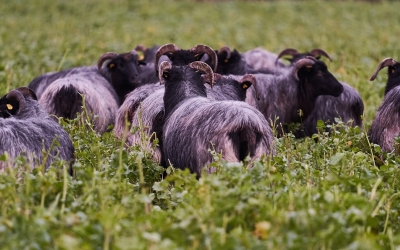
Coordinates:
(331, 191)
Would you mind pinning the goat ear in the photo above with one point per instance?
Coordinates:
(27, 92)
(245, 85)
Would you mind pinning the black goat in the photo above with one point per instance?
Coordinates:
(349, 106)
(283, 95)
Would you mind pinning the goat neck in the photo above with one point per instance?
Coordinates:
(182, 83)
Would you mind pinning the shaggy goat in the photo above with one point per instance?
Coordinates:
(26, 129)
(104, 88)
(349, 106)
(386, 125)
(283, 95)
(195, 123)
(151, 117)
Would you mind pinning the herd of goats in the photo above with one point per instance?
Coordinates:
(191, 101)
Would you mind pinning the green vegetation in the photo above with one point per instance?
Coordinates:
(324, 192)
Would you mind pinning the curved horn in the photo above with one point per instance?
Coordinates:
(19, 97)
(202, 66)
(251, 78)
(201, 48)
(163, 66)
(163, 50)
(140, 48)
(308, 61)
(105, 57)
(385, 62)
(286, 52)
(320, 52)
(225, 49)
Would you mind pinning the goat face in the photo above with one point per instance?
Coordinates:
(316, 80)
(125, 71)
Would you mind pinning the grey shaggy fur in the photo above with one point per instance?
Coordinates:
(99, 100)
(29, 132)
(150, 100)
(349, 107)
(90, 73)
(386, 124)
(194, 124)
(260, 58)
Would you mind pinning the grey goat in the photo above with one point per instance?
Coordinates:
(26, 129)
(194, 123)
(386, 124)
(104, 87)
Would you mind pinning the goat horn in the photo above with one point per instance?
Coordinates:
(163, 50)
(141, 48)
(202, 66)
(286, 52)
(251, 78)
(19, 97)
(225, 49)
(385, 62)
(209, 51)
(105, 57)
(308, 61)
(163, 66)
(320, 52)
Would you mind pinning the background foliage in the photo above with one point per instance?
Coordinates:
(324, 192)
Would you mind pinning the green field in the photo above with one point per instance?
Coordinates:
(316, 193)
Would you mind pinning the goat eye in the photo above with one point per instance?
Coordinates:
(9, 106)
(226, 60)
(165, 75)
(111, 65)
(392, 71)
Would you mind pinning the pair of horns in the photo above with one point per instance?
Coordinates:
(198, 49)
(293, 52)
(385, 63)
(111, 56)
(20, 94)
(308, 61)
(200, 66)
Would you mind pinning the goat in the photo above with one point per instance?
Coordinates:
(283, 95)
(193, 122)
(26, 129)
(151, 116)
(349, 106)
(104, 88)
(386, 124)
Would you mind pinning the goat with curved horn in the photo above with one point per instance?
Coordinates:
(105, 57)
(167, 48)
(385, 63)
(201, 48)
(308, 61)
